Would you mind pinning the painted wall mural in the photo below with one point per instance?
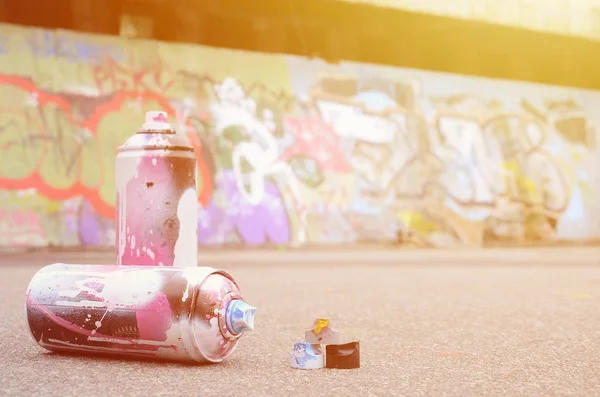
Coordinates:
(292, 151)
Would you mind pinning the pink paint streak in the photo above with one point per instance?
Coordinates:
(150, 213)
(154, 319)
(160, 118)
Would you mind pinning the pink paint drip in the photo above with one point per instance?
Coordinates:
(160, 118)
(151, 208)
(154, 319)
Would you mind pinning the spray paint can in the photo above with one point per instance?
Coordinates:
(157, 205)
(183, 314)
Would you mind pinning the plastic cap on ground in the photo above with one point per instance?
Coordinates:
(322, 333)
(344, 356)
(306, 356)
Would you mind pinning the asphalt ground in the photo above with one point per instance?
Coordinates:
(494, 322)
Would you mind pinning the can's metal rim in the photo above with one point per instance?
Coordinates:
(227, 299)
(155, 147)
(169, 131)
(190, 323)
(228, 276)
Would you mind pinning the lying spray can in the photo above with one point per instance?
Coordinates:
(157, 205)
(183, 314)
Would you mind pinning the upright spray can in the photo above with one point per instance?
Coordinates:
(156, 208)
(185, 314)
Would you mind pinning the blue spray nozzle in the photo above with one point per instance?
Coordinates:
(239, 317)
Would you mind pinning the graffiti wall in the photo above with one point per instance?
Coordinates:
(292, 151)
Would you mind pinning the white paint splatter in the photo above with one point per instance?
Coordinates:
(154, 162)
(150, 254)
(125, 172)
(186, 246)
(195, 276)
(71, 293)
(132, 242)
(81, 303)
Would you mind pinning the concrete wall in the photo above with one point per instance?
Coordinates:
(340, 153)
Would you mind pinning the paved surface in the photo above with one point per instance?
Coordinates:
(431, 323)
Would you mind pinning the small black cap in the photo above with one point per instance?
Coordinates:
(344, 356)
